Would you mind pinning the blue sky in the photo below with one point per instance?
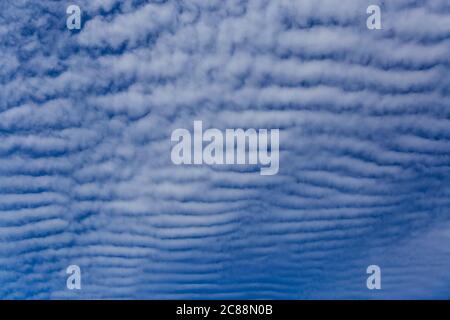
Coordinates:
(85, 170)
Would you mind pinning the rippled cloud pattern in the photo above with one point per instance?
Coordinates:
(86, 176)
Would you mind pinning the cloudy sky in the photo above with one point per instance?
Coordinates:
(86, 176)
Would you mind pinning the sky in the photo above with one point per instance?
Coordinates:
(86, 177)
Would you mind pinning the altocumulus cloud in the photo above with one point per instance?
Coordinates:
(85, 170)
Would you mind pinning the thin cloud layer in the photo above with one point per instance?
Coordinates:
(85, 170)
